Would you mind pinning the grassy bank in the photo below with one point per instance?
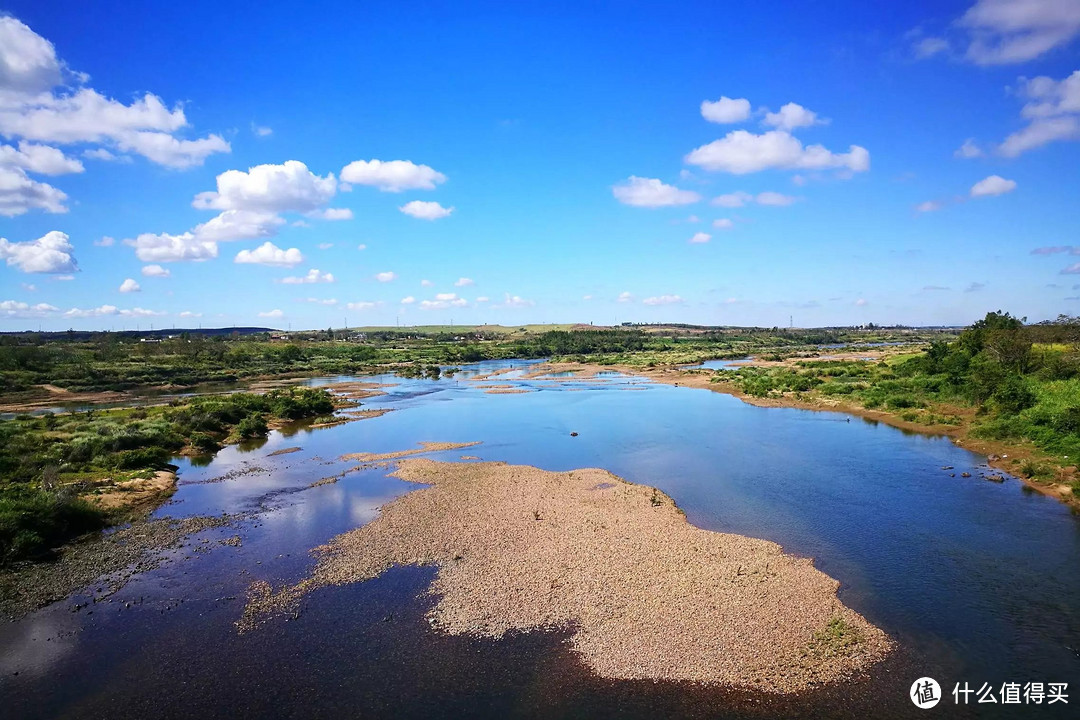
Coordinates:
(53, 467)
(1011, 386)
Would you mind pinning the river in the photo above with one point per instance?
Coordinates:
(976, 580)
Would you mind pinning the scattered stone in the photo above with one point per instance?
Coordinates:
(112, 558)
(965, 474)
(284, 451)
(644, 594)
(425, 447)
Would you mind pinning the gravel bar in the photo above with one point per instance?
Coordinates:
(645, 594)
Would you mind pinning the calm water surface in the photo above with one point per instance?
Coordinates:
(976, 580)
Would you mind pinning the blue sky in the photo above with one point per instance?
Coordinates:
(840, 163)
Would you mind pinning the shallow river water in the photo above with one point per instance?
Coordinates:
(977, 581)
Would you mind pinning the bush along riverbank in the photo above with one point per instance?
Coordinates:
(1004, 388)
(65, 475)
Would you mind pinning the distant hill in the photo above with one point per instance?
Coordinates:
(163, 332)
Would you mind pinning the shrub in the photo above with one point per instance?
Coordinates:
(204, 443)
(1068, 420)
(35, 521)
(899, 402)
(1014, 395)
(152, 457)
(253, 425)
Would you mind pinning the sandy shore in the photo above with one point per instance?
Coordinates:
(133, 495)
(644, 594)
(45, 396)
(425, 447)
(355, 389)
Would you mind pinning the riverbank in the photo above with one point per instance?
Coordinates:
(1009, 457)
(644, 594)
(102, 564)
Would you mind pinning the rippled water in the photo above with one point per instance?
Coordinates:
(976, 580)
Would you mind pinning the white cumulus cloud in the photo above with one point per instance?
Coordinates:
(1052, 111)
(385, 277)
(232, 225)
(426, 210)
(741, 152)
(791, 116)
(163, 247)
(40, 159)
(129, 286)
(270, 189)
(968, 150)
(700, 238)
(392, 175)
(443, 301)
(155, 271)
(516, 301)
(993, 185)
(272, 314)
(651, 193)
(40, 100)
(1011, 31)
(28, 62)
(662, 300)
(270, 254)
(19, 194)
(313, 276)
(51, 253)
(733, 200)
(723, 224)
(726, 110)
(740, 199)
(19, 309)
(463, 282)
(332, 214)
(108, 310)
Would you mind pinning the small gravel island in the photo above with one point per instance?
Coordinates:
(646, 594)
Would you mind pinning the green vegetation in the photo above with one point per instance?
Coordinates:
(1016, 382)
(1000, 379)
(90, 362)
(839, 637)
(47, 463)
